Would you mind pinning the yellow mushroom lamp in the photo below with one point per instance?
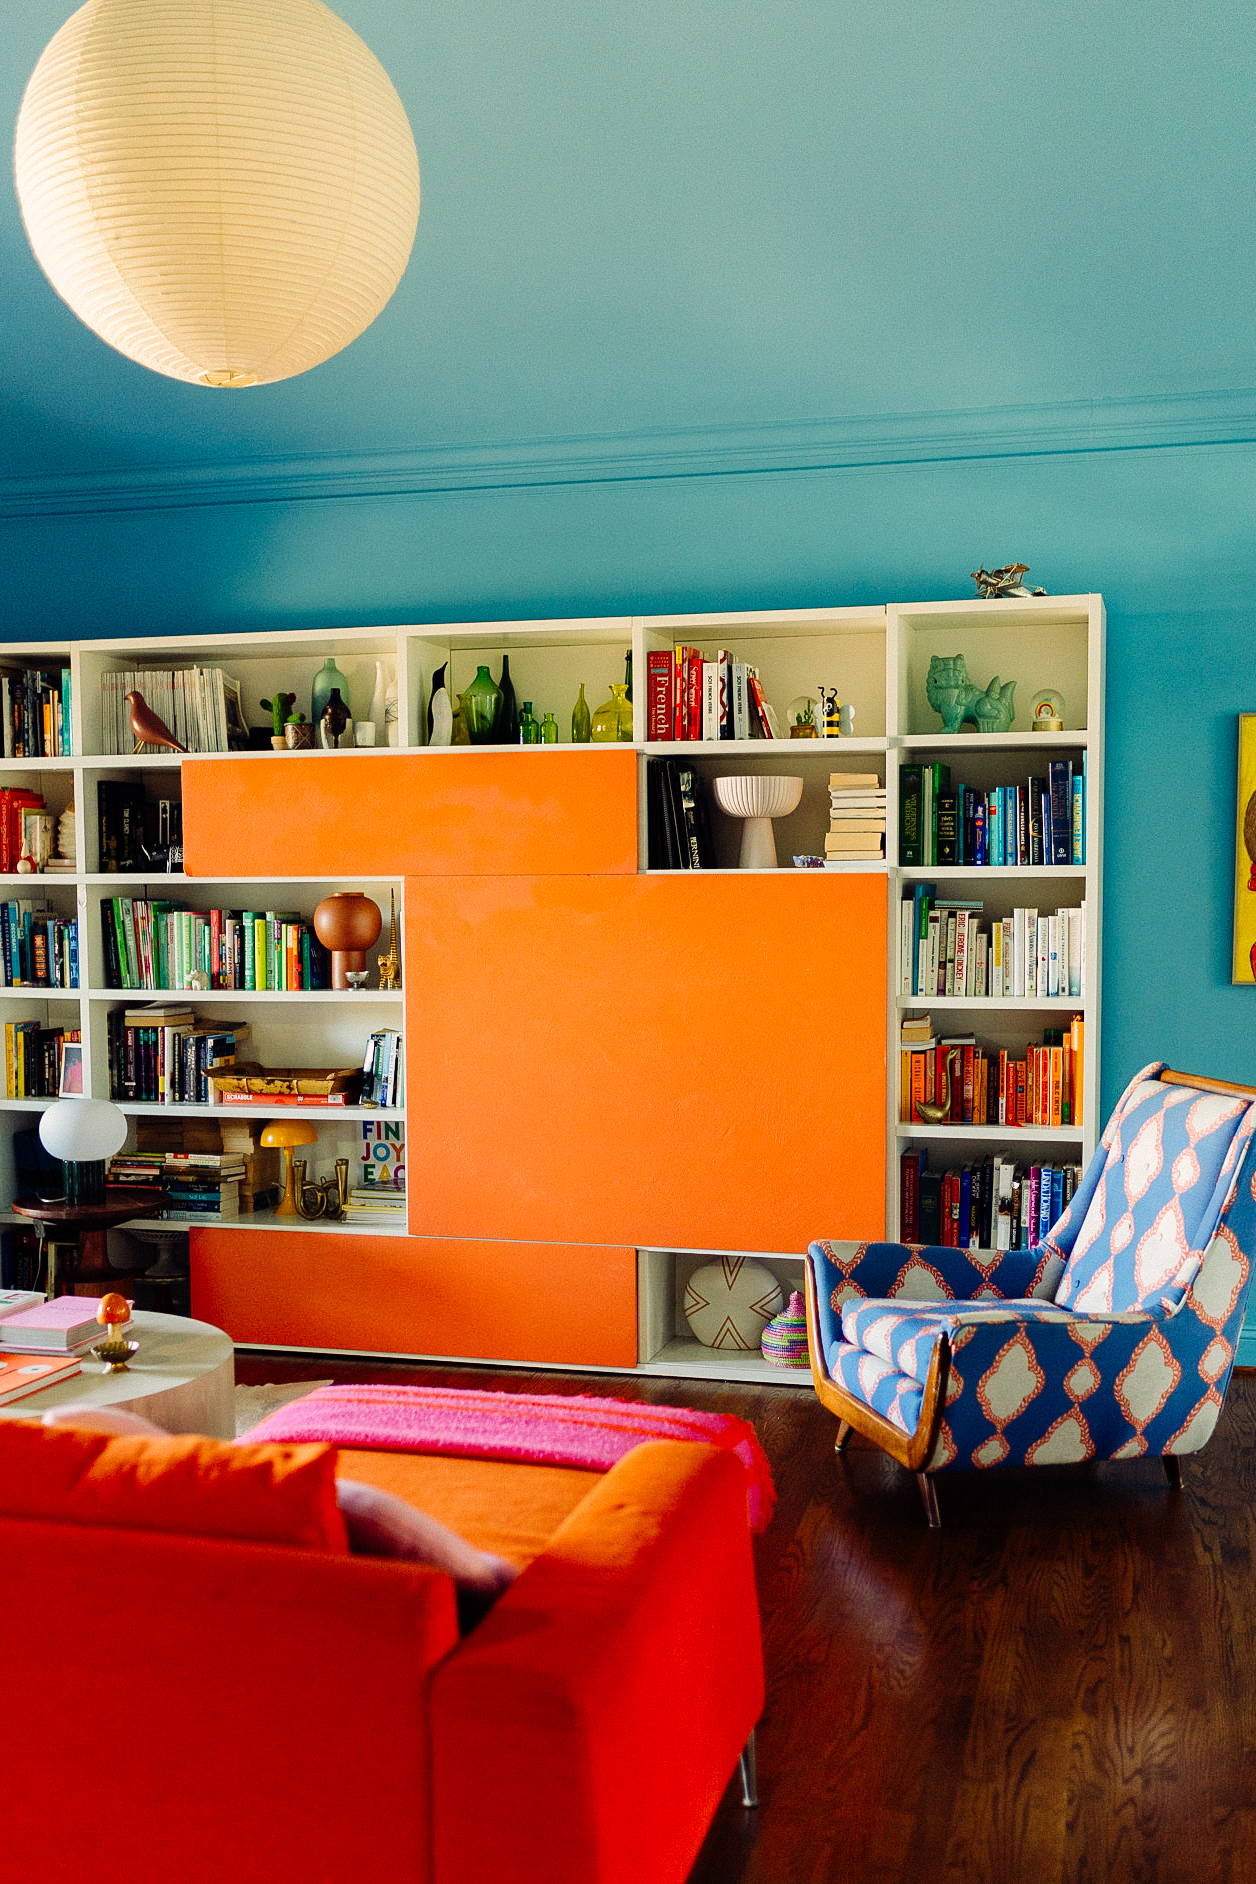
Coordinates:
(285, 1135)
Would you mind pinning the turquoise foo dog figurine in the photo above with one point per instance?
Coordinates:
(952, 694)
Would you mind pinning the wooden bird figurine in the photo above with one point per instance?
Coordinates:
(148, 729)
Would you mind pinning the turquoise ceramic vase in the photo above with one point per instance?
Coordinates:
(326, 681)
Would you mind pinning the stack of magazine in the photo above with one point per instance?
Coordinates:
(200, 705)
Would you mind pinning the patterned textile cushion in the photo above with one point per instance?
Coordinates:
(903, 1334)
(1172, 1153)
(878, 1384)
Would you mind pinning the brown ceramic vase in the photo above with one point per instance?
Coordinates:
(347, 923)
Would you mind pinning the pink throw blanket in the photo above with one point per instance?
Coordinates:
(533, 1428)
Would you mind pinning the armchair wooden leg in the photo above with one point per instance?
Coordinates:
(931, 1500)
(749, 1773)
(1172, 1470)
(843, 1434)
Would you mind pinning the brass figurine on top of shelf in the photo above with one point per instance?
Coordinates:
(994, 584)
(390, 964)
(148, 728)
(952, 695)
(325, 1197)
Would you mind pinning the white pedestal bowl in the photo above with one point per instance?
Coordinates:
(758, 798)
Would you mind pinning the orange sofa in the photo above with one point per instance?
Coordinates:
(198, 1708)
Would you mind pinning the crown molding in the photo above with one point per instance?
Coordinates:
(1156, 422)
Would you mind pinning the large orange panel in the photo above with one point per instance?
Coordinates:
(384, 814)
(671, 1060)
(573, 1306)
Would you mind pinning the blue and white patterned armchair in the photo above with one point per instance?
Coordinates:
(1112, 1339)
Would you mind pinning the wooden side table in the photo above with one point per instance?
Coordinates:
(91, 1273)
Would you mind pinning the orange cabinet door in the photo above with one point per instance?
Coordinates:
(382, 814)
(572, 1307)
(671, 1060)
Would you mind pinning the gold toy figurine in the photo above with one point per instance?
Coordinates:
(390, 964)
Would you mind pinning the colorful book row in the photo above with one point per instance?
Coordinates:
(1030, 955)
(690, 697)
(1039, 824)
(160, 945)
(38, 948)
(169, 1064)
(382, 1070)
(995, 1205)
(32, 1059)
(987, 1086)
(35, 713)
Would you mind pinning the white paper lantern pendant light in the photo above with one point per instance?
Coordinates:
(226, 191)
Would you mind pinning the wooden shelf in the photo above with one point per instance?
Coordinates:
(996, 1134)
(689, 1360)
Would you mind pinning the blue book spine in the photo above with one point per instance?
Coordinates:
(1046, 1191)
(980, 833)
(1000, 855)
(965, 1207)
(74, 965)
(1057, 1193)
(5, 957)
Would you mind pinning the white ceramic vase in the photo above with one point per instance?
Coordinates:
(442, 718)
(758, 798)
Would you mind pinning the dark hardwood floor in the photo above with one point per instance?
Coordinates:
(1058, 1685)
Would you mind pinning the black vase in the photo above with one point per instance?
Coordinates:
(506, 731)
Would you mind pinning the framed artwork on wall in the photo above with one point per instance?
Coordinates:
(1244, 969)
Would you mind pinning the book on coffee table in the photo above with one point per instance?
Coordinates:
(20, 1375)
(63, 1324)
(13, 1301)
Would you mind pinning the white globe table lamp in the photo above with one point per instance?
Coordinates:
(84, 1134)
(226, 191)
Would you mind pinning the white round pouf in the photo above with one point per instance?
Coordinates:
(729, 1303)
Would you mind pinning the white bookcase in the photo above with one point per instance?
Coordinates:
(877, 658)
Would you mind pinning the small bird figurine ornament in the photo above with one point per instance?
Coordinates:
(148, 729)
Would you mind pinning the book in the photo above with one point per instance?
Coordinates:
(21, 1375)
(660, 681)
(67, 1322)
(910, 853)
(13, 1301)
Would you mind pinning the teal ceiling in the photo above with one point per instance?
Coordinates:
(660, 216)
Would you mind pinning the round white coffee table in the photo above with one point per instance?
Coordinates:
(183, 1379)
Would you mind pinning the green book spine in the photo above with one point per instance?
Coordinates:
(248, 919)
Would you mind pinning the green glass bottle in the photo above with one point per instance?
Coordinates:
(549, 730)
(581, 720)
(529, 731)
(480, 705)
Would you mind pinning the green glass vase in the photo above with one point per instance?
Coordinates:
(549, 730)
(481, 704)
(529, 730)
(326, 681)
(608, 721)
(581, 720)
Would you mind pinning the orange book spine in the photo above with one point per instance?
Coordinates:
(918, 1062)
(1079, 1068)
(1057, 1085)
(904, 1087)
(1020, 1092)
(969, 1093)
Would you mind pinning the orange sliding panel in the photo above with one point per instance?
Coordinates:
(572, 1306)
(675, 1060)
(385, 814)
